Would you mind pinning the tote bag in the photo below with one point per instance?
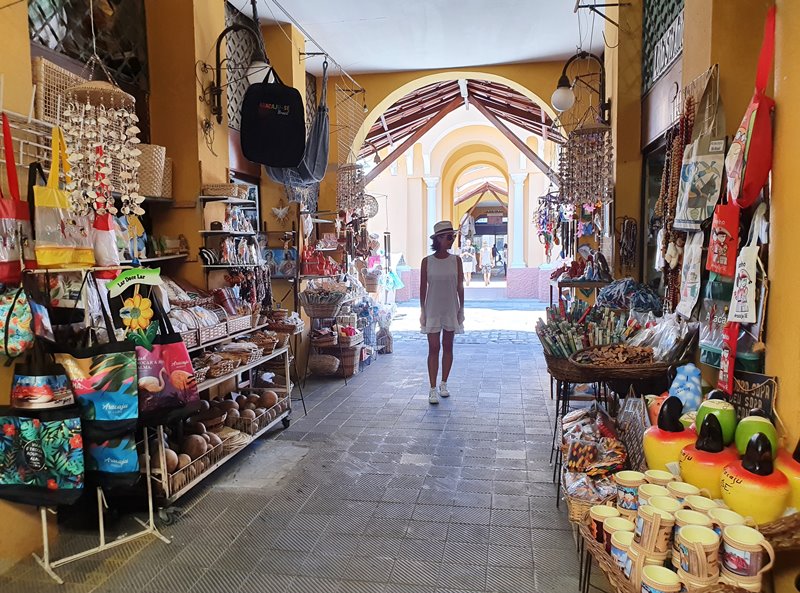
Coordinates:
(743, 301)
(724, 239)
(40, 383)
(749, 158)
(16, 240)
(703, 159)
(63, 238)
(41, 456)
(691, 271)
(16, 319)
(165, 374)
(273, 123)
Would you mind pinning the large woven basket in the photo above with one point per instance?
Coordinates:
(151, 169)
(631, 371)
(166, 179)
(563, 369)
(51, 82)
(350, 357)
(323, 364)
(783, 534)
(350, 341)
(322, 310)
(222, 190)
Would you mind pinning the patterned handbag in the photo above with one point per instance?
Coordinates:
(15, 323)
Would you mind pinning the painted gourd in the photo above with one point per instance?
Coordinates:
(702, 464)
(663, 443)
(752, 487)
(717, 405)
(790, 466)
(756, 422)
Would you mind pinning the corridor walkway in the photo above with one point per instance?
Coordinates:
(375, 491)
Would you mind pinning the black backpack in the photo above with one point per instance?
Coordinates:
(273, 123)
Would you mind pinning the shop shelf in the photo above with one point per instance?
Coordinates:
(209, 383)
(231, 233)
(226, 266)
(228, 338)
(228, 200)
(149, 260)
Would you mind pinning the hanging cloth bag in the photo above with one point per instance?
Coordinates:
(165, 374)
(41, 456)
(15, 221)
(724, 239)
(743, 302)
(703, 158)
(63, 238)
(749, 158)
(40, 383)
(691, 271)
(315, 158)
(15, 323)
(273, 130)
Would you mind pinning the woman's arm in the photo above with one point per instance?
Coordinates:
(423, 289)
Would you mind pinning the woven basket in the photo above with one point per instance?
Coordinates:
(166, 179)
(350, 358)
(51, 81)
(151, 169)
(639, 372)
(371, 283)
(223, 190)
(282, 328)
(325, 341)
(200, 374)
(222, 368)
(214, 332)
(283, 340)
(323, 364)
(279, 314)
(322, 311)
(350, 341)
(190, 338)
(783, 534)
(562, 369)
(215, 424)
(239, 324)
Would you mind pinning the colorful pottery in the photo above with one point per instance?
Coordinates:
(599, 513)
(687, 387)
(628, 483)
(658, 476)
(756, 422)
(647, 491)
(663, 443)
(702, 463)
(698, 547)
(680, 490)
(790, 466)
(722, 518)
(723, 410)
(620, 542)
(654, 403)
(685, 517)
(657, 579)
(613, 524)
(746, 554)
(753, 487)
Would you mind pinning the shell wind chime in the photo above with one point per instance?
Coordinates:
(586, 167)
(101, 133)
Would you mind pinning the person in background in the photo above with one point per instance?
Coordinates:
(494, 254)
(505, 259)
(468, 260)
(441, 296)
(487, 262)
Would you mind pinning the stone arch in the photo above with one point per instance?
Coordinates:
(461, 159)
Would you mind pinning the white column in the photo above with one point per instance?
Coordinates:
(516, 244)
(431, 183)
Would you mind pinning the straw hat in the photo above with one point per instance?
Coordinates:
(442, 228)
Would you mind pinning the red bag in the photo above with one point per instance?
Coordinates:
(724, 239)
(15, 221)
(749, 158)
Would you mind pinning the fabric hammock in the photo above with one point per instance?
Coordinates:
(312, 168)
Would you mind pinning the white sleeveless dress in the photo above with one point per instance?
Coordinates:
(441, 302)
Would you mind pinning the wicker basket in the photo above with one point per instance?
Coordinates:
(283, 340)
(323, 364)
(279, 314)
(562, 369)
(221, 190)
(51, 82)
(321, 310)
(325, 341)
(632, 371)
(190, 338)
(224, 367)
(350, 341)
(151, 169)
(239, 324)
(214, 332)
(350, 358)
(783, 534)
(200, 374)
(282, 328)
(166, 179)
(216, 423)
(371, 283)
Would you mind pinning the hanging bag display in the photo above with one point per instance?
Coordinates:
(273, 126)
(166, 376)
(743, 302)
(690, 273)
(63, 238)
(41, 456)
(15, 323)
(724, 239)
(15, 222)
(749, 158)
(40, 383)
(703, 158)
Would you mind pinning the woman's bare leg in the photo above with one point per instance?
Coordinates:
(433, 358)
(447, 354)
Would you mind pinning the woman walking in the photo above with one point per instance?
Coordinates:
(441, 295)
(468, 261)
(487, 262)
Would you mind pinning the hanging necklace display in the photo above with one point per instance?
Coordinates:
(101, 133)
(350, 187)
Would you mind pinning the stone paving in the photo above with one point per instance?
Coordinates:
(374, 491)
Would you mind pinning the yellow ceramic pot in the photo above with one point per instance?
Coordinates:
(790, 466)
(704, 469)
(764, 498)
(663, 443)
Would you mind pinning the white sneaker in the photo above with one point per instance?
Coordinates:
(443, 389)
(433, 396)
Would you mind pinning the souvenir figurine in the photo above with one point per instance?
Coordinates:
(702, 464)
(717, 405)
(756, 422)
(789, 464)
(663, 443)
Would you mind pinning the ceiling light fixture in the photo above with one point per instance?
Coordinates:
(564, 96)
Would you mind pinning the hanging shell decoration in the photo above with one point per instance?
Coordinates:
(101, 133)
(586, 167)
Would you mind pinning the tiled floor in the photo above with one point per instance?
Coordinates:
(374, 491)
